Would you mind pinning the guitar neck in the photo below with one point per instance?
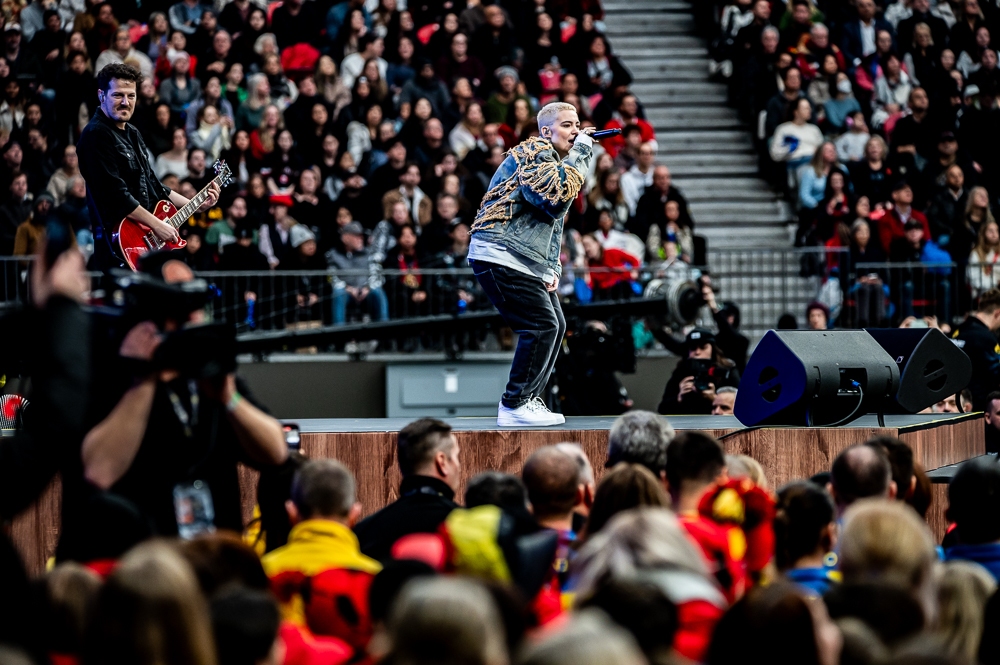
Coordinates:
(182, 215)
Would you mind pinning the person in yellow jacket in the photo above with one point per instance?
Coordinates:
(320, 577)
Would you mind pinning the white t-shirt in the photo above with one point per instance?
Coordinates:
(494, 252)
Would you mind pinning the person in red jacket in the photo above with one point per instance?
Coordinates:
(615, 270)
(891, 225)
(696, 467)
(628, 114)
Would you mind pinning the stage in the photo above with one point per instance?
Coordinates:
(368, 448)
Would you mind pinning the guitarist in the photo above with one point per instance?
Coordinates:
(120, 180)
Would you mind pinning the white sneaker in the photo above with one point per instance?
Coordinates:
(530, 414)
(561, 417)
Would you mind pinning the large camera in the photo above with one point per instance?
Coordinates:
(708, 374)
(195, 350)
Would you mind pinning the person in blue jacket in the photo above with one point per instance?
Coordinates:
(805, 532)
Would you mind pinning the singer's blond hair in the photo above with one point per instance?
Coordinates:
(550, 113)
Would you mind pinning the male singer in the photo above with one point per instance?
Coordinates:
(514, 253)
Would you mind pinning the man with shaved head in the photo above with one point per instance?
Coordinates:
(552, 477)
(585, 480)
(860, 472)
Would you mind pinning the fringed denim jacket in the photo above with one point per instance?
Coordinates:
(529, 196)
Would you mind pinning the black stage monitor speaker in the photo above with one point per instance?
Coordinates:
(815, 377)
(931, 367)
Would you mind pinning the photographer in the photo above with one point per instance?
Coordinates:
(51, 339)
(171, 436)
(691, 388)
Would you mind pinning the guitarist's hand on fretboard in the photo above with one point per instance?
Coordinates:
(214, 192)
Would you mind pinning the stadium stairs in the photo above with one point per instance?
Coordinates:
(712, 159)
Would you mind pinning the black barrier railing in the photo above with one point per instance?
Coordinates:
(879, 293)
(764, 283)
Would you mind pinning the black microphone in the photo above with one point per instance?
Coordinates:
(605, 133)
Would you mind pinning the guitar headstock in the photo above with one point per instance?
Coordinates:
(223, 174)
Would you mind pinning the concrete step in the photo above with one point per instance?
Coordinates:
(683, 74)
(670, 146)
(684, 47)
(708, 113)
(632, 8)
(650, 72)
(731, 186)
(698, 124)
(650, 42)
(715, 170)
(735, 209)
(720, 191)
(657, 87)
(665, 42)
(735, 223)
(657, 24)
(687, 98)
(746, 237)
(683, 161)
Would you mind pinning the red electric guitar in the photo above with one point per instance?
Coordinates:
(135, 239)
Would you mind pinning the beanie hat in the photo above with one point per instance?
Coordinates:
(299, 234)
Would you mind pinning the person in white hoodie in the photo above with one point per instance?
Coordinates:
(796, 141)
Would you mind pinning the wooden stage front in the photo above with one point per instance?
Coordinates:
(367, 447)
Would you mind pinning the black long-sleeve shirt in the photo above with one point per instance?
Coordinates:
(119, 179)
(980, 344)
(54, 347)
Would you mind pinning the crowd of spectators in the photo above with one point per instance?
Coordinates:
(672, 552)
(678, 553)
(878, 120)
(361, 135)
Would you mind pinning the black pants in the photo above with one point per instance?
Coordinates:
(537, 318)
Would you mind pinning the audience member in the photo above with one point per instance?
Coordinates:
(976, 336)
(971, 497)
(428, 460)
(805, 532)
(640, 437)
(322, 560)
(859, 472)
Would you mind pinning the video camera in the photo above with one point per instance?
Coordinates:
(197, 351)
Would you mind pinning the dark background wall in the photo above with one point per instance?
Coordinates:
(304, 386)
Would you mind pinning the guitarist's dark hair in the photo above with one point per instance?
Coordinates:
(120, 71)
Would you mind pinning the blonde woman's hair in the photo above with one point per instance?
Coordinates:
(963, 589)
(982, 248)
(744, 466)
(883, 146)
(446, 620)
(886, 542)
(818, 162)
(70, 591)
(151, 612)
(922, 28)
(550, 113)
(969, 205)
(590, 638)
(268, 140)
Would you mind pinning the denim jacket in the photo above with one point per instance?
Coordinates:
(528, 199)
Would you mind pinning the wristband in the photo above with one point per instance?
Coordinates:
(233, 402)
